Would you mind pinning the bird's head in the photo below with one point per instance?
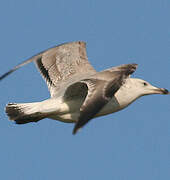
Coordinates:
(142, 87)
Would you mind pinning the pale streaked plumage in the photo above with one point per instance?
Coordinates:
(78, 92)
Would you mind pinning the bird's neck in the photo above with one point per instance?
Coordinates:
(125, 96)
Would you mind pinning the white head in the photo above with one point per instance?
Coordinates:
(142, 87)
(134, 88)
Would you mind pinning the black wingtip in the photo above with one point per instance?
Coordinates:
(129, 68)
(76, 129)
(6, 74)
(20, 65)
(132, 67)
(73, 133)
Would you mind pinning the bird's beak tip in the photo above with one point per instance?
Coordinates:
(164, 91)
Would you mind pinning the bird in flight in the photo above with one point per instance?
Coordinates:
(78, 92)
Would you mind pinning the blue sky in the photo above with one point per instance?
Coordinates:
(131, 144)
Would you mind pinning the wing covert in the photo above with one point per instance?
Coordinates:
(64, 65)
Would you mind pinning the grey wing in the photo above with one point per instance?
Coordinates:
(100, 93)
(97, 97)
(64, 65)
(61, 66)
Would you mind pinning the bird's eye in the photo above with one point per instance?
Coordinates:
(145, 84)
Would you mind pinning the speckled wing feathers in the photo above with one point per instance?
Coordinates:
(64, 65)
(60, 66)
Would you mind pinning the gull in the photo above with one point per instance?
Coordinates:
(78, 92)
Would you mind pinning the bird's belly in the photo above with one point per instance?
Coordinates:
(68, 111)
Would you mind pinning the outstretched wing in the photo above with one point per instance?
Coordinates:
(100, 91)
(61, 66)
(64, 65)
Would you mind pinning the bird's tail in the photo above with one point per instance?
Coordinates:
(24, 113)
